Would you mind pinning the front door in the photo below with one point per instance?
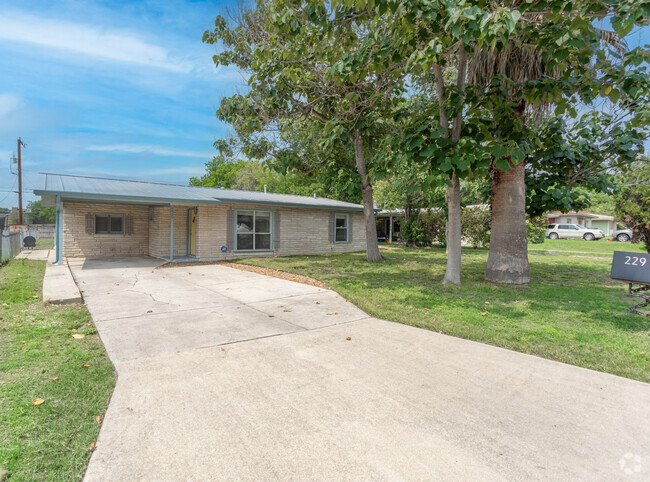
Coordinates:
(191, 232)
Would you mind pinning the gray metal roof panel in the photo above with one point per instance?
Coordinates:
(95, 188)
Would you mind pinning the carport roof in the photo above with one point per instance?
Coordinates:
(99, 189)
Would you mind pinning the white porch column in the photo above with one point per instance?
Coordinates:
(390, 229)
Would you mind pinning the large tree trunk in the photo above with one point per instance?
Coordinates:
(452, 196)
(372, 246)
(508, 258)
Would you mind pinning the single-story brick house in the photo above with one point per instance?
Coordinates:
(100, 217)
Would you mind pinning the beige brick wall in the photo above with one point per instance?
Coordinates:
(159, 231)
(76, 243)
(302, 231)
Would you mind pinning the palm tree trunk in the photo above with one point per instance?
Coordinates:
(372, 246)
(508, 258)
(452, 196)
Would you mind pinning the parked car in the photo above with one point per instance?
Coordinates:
(556, 231)
(622, 234)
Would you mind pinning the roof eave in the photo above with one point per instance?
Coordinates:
(67, 196)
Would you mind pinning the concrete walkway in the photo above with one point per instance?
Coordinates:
(224, 374)
(34, 254)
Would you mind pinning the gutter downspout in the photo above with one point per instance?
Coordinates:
(58, 241)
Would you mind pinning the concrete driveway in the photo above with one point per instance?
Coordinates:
(225, 374)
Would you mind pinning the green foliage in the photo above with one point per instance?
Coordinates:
(536, 230)
(633, 202)
(40, 214)
(435, 224)
(414, 233)
(475, 226)
(253, 176)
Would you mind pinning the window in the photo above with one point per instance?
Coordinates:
(253, 230)
(109, 223)
(341, 228)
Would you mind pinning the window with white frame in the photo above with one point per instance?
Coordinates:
(109, 223)
(341, 228)
(253, 230)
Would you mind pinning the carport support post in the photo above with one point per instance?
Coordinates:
(390, 229)
(171, 232)
(58, 238)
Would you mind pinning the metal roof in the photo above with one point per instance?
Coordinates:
(98, 189)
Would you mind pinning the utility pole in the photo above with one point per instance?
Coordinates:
(20, 184)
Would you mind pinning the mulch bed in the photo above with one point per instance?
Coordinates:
(277, 274)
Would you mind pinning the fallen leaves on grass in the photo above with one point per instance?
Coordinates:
(92, 447)
(85, 365)
(38, 401)
(78, 335)
(98, 419)
(55, 378)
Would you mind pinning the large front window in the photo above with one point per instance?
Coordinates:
(253, 230)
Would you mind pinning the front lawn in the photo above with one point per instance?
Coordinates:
(43, 357)
(578, 246)
(571, 312)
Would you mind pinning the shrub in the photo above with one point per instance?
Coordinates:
(434, 222)
(415, 234)
(536, 230)
(475, 226)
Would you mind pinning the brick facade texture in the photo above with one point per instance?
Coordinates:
(302, 231)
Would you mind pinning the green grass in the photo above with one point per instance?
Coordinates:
(45, 244)
(601, 247)
(50, 441)
(571, 311)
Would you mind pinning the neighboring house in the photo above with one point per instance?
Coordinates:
(607, 224)
(99, 217)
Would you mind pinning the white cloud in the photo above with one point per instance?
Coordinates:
(149, 149)
(8, 103)
(94, 41)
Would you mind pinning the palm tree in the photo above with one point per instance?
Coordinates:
(520, 63)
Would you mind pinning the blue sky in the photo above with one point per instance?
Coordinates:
(122, 89)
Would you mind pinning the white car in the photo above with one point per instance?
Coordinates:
(623, 234)
(556, 231)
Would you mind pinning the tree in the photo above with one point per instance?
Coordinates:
(633, 201)
(39, 213)
(547, 60)
(312, 68)
(227, 171)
